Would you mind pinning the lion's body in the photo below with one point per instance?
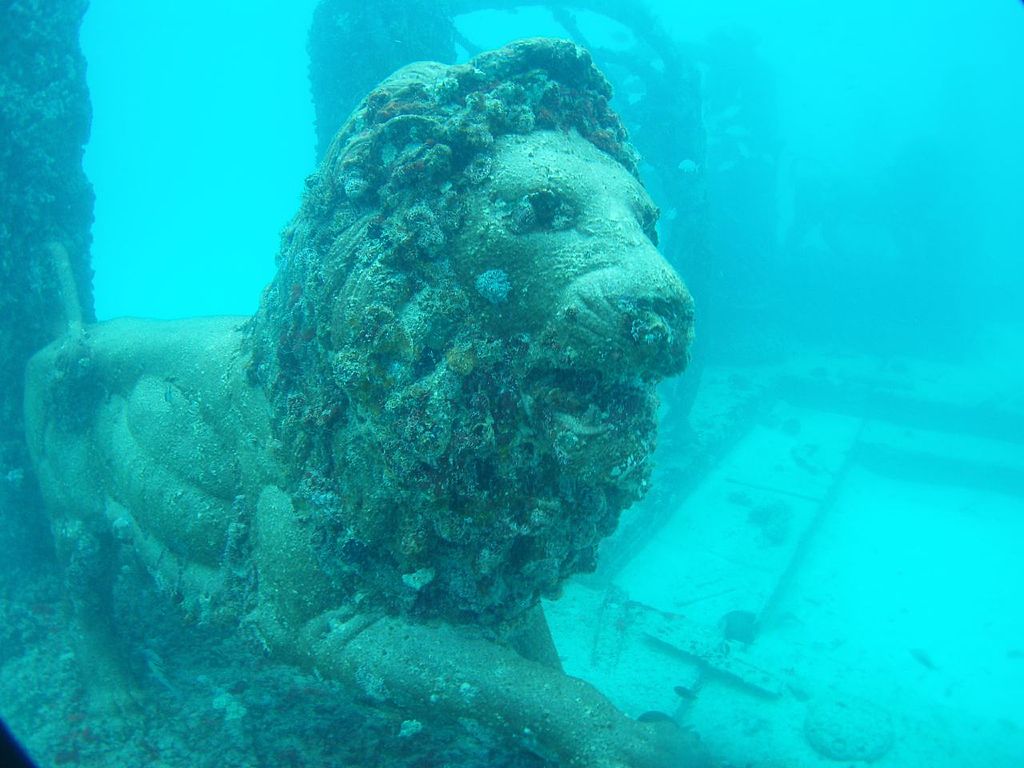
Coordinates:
(441, 407)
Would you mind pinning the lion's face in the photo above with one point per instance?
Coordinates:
(559, 245)
(463, 367)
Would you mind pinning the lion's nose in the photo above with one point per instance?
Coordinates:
(657, 331)
(655, 318)
(635, 316)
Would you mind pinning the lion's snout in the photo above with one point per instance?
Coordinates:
(636, 316)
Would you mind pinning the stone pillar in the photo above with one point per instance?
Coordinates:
(46, 211)
(353, 45)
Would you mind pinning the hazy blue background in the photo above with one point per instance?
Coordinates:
(202, 135)
(188, 210)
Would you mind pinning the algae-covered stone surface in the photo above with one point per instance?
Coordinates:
(45, 217)
(442, 406)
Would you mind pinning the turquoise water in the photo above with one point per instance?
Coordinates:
(825, 568)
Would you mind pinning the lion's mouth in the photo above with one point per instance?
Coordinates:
(588, 403)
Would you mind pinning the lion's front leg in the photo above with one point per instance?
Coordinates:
(442, 671)
(89, 558)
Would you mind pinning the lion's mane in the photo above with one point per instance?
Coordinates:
(402, 418)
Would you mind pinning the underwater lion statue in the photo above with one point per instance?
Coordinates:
(442, 405)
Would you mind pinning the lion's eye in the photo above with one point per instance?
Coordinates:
(545, 206)
(543, 210)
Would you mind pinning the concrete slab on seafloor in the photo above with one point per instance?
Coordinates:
(843, 520)
(723, 555)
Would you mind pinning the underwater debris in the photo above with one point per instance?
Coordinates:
(848, 729)
(741, 626)
(774, 519)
